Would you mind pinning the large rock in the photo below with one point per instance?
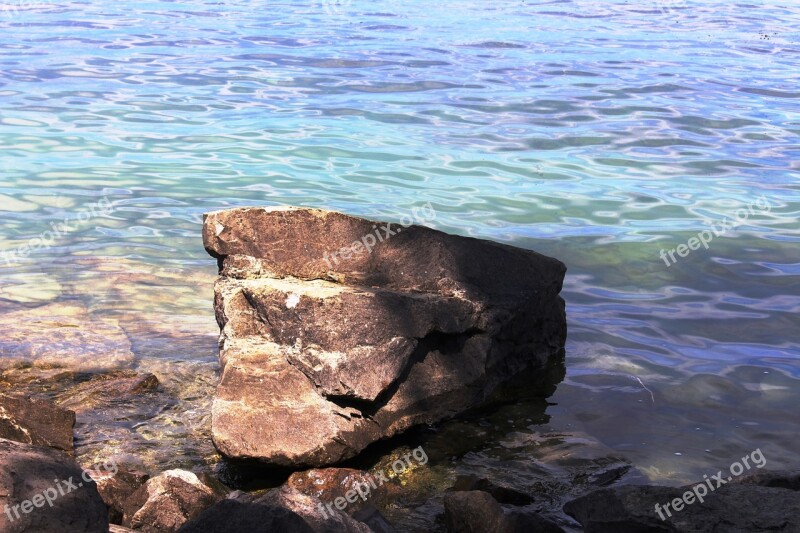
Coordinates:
(166, 502)
(339, 331)
(36, 422)
(759, 504)
(31, 478)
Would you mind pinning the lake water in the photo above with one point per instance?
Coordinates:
(597, 132)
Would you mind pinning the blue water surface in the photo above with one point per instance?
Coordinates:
(598, 132)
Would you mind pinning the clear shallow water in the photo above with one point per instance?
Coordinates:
(596, 132)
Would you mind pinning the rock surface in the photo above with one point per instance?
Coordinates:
(116, 489)
(749, 506)
(168, 501)
(500, 493)
(477, 512)
(327, 484)
(29, 474)
(108, 388)
(283, 509)
(36, 422)
(327, 347)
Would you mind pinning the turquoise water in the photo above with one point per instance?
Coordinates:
(596, 132)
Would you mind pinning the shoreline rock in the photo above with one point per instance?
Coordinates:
(36, 422)
(323, 355)
(165, 502)
(28, 474)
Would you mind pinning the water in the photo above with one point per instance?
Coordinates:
(596, 132)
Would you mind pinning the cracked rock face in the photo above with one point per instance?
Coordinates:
(339, 331)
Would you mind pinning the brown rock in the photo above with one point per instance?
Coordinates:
(32, 474)
(36, 422)
(311, 511)
(327, 484)
(168, 501)
(324, 354)
(471, 512)
(102, 389)
(116, 489)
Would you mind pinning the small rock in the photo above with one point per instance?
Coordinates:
(117, 386)
(312, 512)
(283, 509)
(116, 489)
(36, 422)
(370, 515)
(168, 501)
(31, 474)
(327, 484)
(477, 512)
(500, 493)
(471, 512)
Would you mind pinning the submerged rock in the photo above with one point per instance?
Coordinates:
(339, 331)
(44, 490)
(760, 503)
(36, 422)
(62, 335)
(500, 493)
(477, 512)
(102, 390)
(328, 484)
(30, 287)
